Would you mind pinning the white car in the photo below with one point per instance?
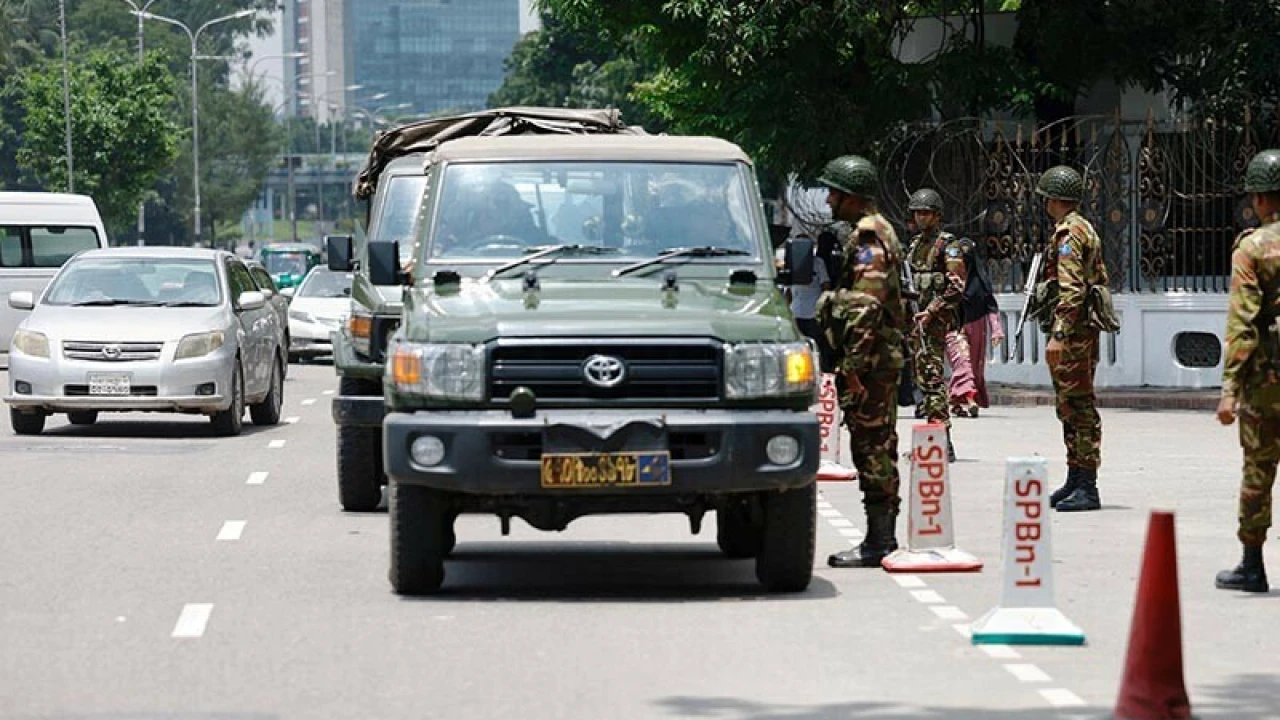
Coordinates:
(147, 329)
(319, 306)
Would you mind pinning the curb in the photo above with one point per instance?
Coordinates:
(1129, 398)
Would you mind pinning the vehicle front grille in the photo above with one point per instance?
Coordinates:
(111, 351)
(664, 371)
(528, 445)
(135, 391)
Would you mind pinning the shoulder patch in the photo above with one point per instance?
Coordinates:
(954, 251)
(1064, 250)
(864, 255)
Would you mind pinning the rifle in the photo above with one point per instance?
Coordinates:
(1029, 291)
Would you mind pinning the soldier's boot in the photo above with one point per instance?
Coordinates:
(1250, 575)
(1068, 487)
(1085, 497)
(880, 541)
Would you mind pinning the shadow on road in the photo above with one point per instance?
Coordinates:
(606, 571)
(185, 429)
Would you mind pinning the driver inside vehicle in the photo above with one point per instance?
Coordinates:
(489, 214)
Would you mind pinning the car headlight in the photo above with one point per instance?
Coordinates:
(301, 316)
(31, 343)
(451, 371)
(758, 370)
(199, 344)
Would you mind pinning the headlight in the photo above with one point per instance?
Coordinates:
(31, 343)
(768, 370)
(360, 330)
(452, 372)
(199, 344)
(301, 316)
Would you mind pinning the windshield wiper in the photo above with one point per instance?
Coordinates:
(105, 302)
(538, 253)
(705, 251)
(190, 303)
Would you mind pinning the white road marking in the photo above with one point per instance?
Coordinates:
(291, 419)
(1062, 697)
(309, 401)
(256, 478)
(829, 513)
(948, 612)
(327, 392)
(824, 504)
(965, 630)
(275, 444)
(854, 533)
(908, 581)
(1001, 652)
(839, 522)
(928, 597)
(192, 620)
(1027, 673)
(231, 530)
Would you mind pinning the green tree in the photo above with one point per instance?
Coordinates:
(122, 132)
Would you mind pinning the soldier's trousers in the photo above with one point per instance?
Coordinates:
(1260, 439)
(872, 419)
(928, 351)
(1076, 404)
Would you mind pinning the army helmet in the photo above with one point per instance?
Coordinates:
(1061, 182)
(1263, 173)
(851, 174)
(925, 199)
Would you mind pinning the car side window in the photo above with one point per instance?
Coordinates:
(51, 247)
(10, 247)
(264, 281)
(241, 281)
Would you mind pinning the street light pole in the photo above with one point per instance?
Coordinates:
(66, 94)
(142, 204)
(195, 95)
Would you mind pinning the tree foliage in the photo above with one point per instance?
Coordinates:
(123, 134)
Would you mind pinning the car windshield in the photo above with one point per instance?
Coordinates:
(397, 221)
(505, 210)
(286, 263)
(136, 281)
(323, 283)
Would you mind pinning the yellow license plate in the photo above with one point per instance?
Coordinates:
(587, 470)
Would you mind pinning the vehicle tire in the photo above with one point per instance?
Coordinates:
(736, 534)
(83, 417)
(785, 562)
(418, 519)
(26, 423)
(360, 473)
(230, 422)
(267, 412)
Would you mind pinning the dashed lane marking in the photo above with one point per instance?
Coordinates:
(948, 612)
(327, 392)
(840, 522)
(908, 581)
(275, 444)
(256, 478)
(309, 401)
(851, 533)
(1027, 673)
(928, 597)
(829, 513)
(1001, 652)
(231, 530)
(1062, 697)
(291, 419)
(192, 620)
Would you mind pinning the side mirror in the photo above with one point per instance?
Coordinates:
(289, 292)
(384, 264)
(22, 300)
(252, 300)
(799, 260)
(340, 250)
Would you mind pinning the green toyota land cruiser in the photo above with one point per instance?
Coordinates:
(590, 325)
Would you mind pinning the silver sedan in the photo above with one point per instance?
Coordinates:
(147, 329)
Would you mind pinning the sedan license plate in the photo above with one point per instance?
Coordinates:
(110, 385)
(588, 470)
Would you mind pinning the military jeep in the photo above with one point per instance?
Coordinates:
(590, 326)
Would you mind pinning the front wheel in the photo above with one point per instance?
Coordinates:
(23, 423)
(82, 417)
(418, 538)
(360, 473)
(230, 422)
(785, 562)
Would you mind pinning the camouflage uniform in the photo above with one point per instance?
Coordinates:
(1075, 263)
(1251, 372)
(937, 266)
(863, 317)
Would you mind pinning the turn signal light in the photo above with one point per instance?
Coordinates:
(406, 367)
(799, 367)
(360, 326)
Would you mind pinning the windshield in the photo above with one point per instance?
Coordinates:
(399, 215)
(323, 283)
(136, 281)
(286, 263)
(503, 210)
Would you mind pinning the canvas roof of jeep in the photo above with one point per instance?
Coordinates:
(427, 135)
(654, 148)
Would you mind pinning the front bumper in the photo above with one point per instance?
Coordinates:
(57, 384)
(307, 338)
(488, 452)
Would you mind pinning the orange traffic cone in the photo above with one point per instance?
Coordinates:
(1153, 687)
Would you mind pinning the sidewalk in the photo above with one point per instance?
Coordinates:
(1134, 398)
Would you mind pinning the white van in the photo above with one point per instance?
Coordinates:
(38, 232)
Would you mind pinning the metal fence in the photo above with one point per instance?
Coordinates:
(1167, 200)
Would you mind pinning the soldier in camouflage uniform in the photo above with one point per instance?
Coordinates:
(937, 265)
(863, 317)
(1073, 264)
(1251, 371)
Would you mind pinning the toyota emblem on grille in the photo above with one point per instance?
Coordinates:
(604, 371)
(111, 352)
